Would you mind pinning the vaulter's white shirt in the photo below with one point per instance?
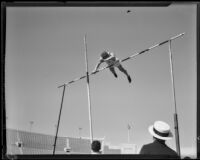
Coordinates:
(111, 59)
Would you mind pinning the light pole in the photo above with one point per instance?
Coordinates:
(80, 129)
(129, 128)
(31, 123)
(55, 126)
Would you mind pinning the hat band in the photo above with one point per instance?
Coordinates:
(160, 134)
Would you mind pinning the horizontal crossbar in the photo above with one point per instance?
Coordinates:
(125, 59)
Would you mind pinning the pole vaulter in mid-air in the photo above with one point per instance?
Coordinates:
(110, 59)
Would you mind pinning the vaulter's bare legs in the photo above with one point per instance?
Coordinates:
(112, 69)
(120, 67)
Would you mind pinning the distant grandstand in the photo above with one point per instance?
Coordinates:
(23, 142)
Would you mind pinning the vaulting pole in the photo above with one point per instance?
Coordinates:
(58, 120)
(88, 91)
(174, 100)
(125, 59)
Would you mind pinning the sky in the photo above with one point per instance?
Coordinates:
(45, 49)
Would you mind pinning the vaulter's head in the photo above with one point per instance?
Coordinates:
(104, 54)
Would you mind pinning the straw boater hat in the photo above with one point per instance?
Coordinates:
(160, 130)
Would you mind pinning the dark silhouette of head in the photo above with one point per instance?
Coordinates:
(104, 54)
(96, 146)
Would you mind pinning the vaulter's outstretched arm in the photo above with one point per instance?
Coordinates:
(98, 65)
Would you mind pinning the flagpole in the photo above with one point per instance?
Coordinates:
(88, 91)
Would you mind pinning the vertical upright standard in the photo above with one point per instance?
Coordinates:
(88, 91)
(174, 99)
(54, 146)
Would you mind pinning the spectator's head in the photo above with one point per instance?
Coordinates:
(160, 130)
(104, 54)
(96, 146)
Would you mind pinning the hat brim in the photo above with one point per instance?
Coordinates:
(158, 136)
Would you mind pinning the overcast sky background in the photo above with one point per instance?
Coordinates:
(45, 48)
